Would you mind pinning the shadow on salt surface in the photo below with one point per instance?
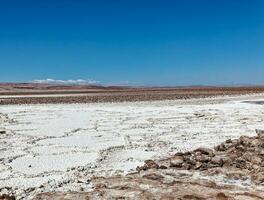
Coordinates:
(48, 163)
(255, 102)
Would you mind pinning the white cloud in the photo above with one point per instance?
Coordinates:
(67, 82)
(119, 83)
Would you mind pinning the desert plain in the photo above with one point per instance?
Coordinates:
(90, 142)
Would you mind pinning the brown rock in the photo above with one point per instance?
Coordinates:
(6, 197)
(218, 161)
(255, 143)
(246, 141)
(240, 163)
(260, 133)
(229, 141)
(220, 147)
(149, 164)
(198, 165)
(254, 159)
(163, 167)
(205, 151)
(221, 196)
(203, 158)
(232, 149)
(259, 178)
(153, 176)
(176, 161)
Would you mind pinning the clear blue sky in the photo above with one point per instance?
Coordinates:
(144, 42)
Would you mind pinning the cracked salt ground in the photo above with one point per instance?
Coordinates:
(58, 147)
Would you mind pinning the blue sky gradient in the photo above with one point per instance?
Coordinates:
(140, 42)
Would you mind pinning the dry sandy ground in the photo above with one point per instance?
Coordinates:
(59, 147)
(51, 94)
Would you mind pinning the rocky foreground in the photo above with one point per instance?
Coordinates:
(232, 170)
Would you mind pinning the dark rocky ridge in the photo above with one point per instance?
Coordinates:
(91, 94)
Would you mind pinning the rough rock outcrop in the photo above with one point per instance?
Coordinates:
(234, 170)
(241, 158)
(7, 197)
